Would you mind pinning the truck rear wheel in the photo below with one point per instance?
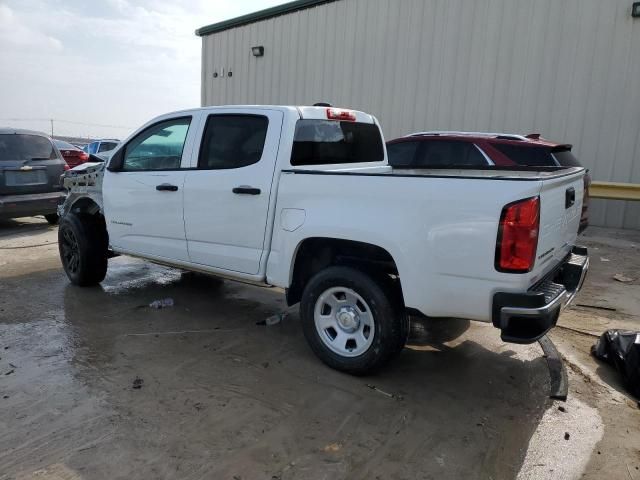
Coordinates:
(349, 321)
(83, 244)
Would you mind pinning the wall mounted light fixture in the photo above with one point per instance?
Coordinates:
(257, 51)
(635, 10)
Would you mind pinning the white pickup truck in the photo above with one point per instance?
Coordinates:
(303, 198)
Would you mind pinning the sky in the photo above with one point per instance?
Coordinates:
(102, 68)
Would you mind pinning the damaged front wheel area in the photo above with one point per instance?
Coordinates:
(83, 244)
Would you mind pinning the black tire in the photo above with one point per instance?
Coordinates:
(52, 218)
(83, 244)
(390, 329)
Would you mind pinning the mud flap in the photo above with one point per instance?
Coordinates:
(557, 370)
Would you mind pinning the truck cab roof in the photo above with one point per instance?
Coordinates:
(303, 111)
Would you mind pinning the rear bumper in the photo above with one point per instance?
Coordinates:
(13, 206)
(526, 317)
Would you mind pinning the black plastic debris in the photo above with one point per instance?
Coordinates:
(273, 320)
(557, 370)
(621, 348)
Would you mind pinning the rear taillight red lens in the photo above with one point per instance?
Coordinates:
(518, 236)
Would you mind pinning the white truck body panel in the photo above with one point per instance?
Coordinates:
(440, 227)
(441, 232)
(558, 224)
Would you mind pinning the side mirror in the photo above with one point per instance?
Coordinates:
(116, 161)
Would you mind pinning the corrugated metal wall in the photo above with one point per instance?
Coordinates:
(568, 69)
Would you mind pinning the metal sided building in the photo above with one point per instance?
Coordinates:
(568, 69)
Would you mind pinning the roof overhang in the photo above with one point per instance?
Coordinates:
(272, 12)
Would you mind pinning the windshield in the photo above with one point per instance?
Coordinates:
(25, 147)
(322, 142)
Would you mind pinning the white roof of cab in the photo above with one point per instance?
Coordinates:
(304, 111)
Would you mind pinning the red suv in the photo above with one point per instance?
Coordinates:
(475, 149)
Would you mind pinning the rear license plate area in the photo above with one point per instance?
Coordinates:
(21, 179)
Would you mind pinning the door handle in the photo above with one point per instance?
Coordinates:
(244, 190)
(167, 187)
(569, 197)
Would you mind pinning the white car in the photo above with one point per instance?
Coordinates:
(303, 198)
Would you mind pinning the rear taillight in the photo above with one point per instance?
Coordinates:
(587, 185)
(339, 114)
(518, 236)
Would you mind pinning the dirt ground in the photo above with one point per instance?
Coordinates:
(94, 384)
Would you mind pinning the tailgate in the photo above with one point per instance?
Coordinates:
(560, 210)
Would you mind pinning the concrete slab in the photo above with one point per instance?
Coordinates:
(224, 397)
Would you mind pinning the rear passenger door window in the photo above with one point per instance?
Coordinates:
(402, 154)
(449, 153)
(232, 141)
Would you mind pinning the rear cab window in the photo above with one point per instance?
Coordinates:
(326, 142)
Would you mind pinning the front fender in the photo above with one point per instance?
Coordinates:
(82, 182)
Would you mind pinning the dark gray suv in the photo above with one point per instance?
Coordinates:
(30, 169)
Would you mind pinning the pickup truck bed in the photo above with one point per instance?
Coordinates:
(318, 212)
(450, 228)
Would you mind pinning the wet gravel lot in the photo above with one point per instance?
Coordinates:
(95, 384)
